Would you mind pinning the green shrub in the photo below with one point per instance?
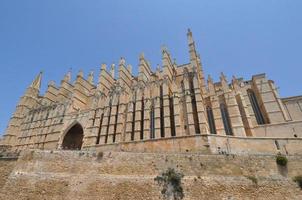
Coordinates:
(281, 160)
(170, 180)
(298, 180)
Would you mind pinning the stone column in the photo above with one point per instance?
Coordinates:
(121, 118)
(105, 121)
(176, 103)
(188, 101)
(92, 128)
(217, 115)
(138, 112)
(128, 131)
(113, 117)
(203, 123)
(166, 109)
(147, 113)
(156, 96)
(234, 114)
(246, 118)
(249, 108)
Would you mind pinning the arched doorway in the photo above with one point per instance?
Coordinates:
(74, 138)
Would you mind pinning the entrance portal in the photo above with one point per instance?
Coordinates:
(74, 138)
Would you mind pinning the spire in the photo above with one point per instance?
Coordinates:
(81, 74)
(36, 84)
(67, 77)
(144, 67)
(34, 89)
(122, 61)
(90, 78)
(165, 52)
(211, 85)
(174, 63)
(192, 50)
(224, 82)
(235, 83)
(190, 37)
(166, 58)
(103, 66)
(112, 70)
(195, 60)
(142, 56)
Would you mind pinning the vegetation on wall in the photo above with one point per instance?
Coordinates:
(281, 160)
(170, 180)
(298, 180)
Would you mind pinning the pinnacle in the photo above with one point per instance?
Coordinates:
(37, 82)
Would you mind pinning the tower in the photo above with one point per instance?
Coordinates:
(195, 61)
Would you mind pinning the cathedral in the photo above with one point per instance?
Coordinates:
(173, 109)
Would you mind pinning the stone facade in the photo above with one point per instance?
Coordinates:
(173, 109)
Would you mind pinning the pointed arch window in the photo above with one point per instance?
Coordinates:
(115, 123)
(211, 120)
(100, 129)
(133, 117)
(172, 120)
(152, 121)
(256, 108)
(108, 123)
(142, 118)
(226, 119)
(194, 104)
(162, 119)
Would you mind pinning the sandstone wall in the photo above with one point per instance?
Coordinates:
(122, 175)
(255, 145)
(6, 167)
(210, 144)
(289, 129)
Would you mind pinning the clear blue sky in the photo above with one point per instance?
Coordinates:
(240, 38)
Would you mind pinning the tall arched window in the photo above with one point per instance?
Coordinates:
(162, 119)
(142, 118)
(152, 121)
(133, 117)
(211, 120)
(226, 119)
(100, 128)
(194, 104)
(115, 121)
(256, 108)
(243, 115)
(108, 123)
(172, 121)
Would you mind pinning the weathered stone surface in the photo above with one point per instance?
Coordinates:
(90, 175)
